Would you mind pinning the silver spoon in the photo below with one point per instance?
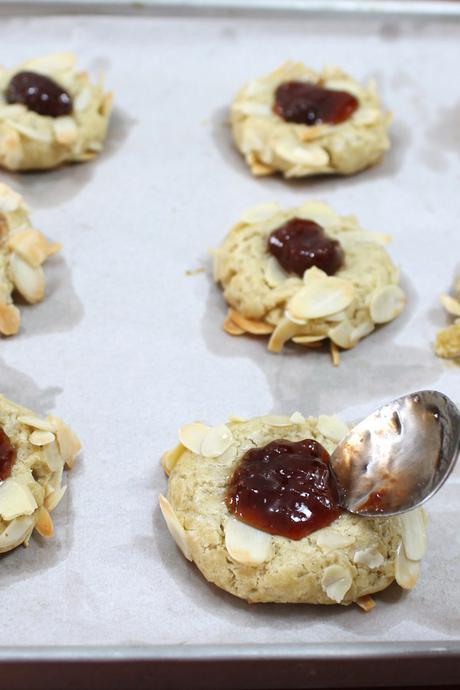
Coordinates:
(399, 456)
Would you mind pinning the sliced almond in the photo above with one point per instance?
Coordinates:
(44, 523)
(321, 298)
(39, 132)
(10, 200)
(68, 442)
(413, 534)
(170, 457)
(386, 303)
(36, 422)
(332, 427)
(15, 499)
(297, 418)
(16, 533)
(277, 420)
(249, 325)
(450, 304)
(192, 436)
(309, 339)
(310, 155)
(10, 318)
(274, 273)
(175, 528)
(282, 333)
(369, 557)
(366, 602)
(28, 280)
(335, 354)
(32, 246)
(231, 328)
(406, 571)
(342, 334)
(336, 581)
(83, 100)
(54, 498)
(246, 544)
(41, 438)
(361, 330)
(329, 539)
(260, 213)
(217, 440)
(65, 130)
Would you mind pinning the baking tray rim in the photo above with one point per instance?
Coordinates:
(351, 651)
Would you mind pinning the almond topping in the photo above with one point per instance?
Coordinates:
(329, 540)
(15, 499)
(297, 418)
(10, 319)
(41, 438)
(231, 328)
(44, 523)
(274, 274)
(175, 528)
(321, 298)
(29, 280)
(192, 435)
(246, 544)
(170, 457)
(16, 532)
(332, 427)
(36, 422)
(53, 500)
(369, 557)
(450, 304)
(217, 440)
(406, 571)
(249, 325)
(32, 246)
(336, 582)
(386, 303)
(413, 534)
(366, 602)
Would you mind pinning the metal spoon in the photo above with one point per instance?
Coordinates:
(399, 456)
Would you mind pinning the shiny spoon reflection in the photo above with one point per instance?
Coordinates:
(399, 456)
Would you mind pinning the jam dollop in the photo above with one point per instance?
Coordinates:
(309, 104)
(300, 244)
(39, 93)
(285, 488)
(7, 455)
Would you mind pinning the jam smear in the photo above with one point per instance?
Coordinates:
(300, 244)
(7, 456)
(285, 488)
(309, 104)
(39, 93)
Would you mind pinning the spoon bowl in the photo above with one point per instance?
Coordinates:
(399, 456)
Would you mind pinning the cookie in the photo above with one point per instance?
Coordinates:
(23, 249)
(343, 562)
(355, 290)
(300, 122)
(50, 114)
(33, 453)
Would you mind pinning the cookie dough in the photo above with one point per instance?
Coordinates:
(342, 563)
(447, 343)
(343, 308)
(32, 141)
(23, 249)
(33, 453)
(271, 144)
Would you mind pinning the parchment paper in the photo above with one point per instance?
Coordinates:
(127, 347)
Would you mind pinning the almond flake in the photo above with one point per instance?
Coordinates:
(83, 100)
(41, 438)
(15, 499)
(175, 528)
(308, 339)
(282, 333)
(10, 200)
(32, 246)
(54, 498)
(10, 319)
(16, 532)
(369, 557)
(366, 602)
(332, 427)
(274, 273)
(249, 325)
(341, 334)
(386, 303)
(336, 582)
(277, 420)
(231, 328)
(44, 523)
(413, 534)
(311, 155)
(36, 422)
(217, 440)
(260, 213)
(297, 418)
(28, 280)
(192, 435)
(68, 442)
(450, 304)
(329, 539)
(170, 457)
(321, 298)
(246, 544)
(335, 354)
(406, 571)
(65, 130)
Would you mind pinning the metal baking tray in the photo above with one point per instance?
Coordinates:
(127, 346)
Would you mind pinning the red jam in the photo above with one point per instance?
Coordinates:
(300, 244)
(7, 456)
(39, 93)
(285, 488)
(310, 104)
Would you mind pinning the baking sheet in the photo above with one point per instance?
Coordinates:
(127, 347)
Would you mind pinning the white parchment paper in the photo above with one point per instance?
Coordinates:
(127, 347)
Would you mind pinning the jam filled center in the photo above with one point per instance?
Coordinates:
(7, 455)
(300, 244)
(285, 488)
(39, 93)
(310, 104)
